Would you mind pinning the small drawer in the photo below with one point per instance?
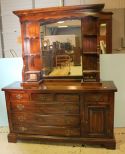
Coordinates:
(19, 96)
(41, 97)
(96, 97)
(67, 97)
(19, 106)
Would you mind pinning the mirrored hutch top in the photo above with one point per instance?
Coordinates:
(63, 43)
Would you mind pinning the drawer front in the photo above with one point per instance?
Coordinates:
(19, 96)
(96, 97)
(46, 120)
(47, 131)
(52, 108)
(41, 97)
(67, 97)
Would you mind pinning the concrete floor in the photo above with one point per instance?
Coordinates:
(36, 147)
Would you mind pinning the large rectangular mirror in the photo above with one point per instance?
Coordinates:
(61, 48)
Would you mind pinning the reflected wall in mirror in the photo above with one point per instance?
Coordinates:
(117, 32)
(61, 48)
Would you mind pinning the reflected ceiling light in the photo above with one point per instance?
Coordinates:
(62, 26)
(103, 25)
(60, 22)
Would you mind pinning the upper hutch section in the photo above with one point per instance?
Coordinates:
(87, 53)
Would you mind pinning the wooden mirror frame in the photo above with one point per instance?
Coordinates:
(31, 45)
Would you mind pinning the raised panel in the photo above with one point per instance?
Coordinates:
(96, 120)
(32, 29)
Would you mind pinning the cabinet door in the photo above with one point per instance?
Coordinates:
(96, 120)
(97, 115)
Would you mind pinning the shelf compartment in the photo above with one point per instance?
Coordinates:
(90, 62)
(91, 76)
(32, 29)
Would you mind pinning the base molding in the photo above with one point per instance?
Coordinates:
(108, 143)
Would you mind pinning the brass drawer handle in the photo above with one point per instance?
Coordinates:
(19, 96)
(68, 132)
(20, 107)
(68, 121)
(21, 118)
(22, 128)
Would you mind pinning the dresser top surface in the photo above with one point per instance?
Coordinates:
(63, 86)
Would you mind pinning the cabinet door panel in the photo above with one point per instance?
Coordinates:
(96, 121)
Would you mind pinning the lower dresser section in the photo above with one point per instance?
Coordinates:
(59, 125)
(82, 116)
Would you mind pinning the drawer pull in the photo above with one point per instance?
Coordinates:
(20, 107)
(68, 132)
(19, 96)
(22, 129)
(21, 118)
(68, 121)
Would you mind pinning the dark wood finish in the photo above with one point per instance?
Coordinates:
(90, 36)
(62, 112)
(30, 27)
(61, 109)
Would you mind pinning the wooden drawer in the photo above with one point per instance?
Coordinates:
(50, 108)
(47, 130)
(19, 96)
(96, 97)
(41, 97)
(46, 120)
(67, 97)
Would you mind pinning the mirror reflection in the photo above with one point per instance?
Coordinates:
(61, 48)
(61, 43)
(118, 32)
(102, 32)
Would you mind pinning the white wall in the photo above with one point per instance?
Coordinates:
(0, 49)
(46, 3)
(72, 2)
(112, 68)
(108, 3)
(10, 70)
(11, 25)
